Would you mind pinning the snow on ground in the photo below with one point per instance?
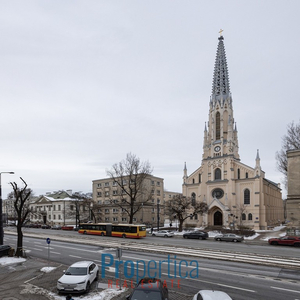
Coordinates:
(47, 269)
(104, 295)
(4, 261)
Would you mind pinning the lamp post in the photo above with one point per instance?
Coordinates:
(1, 215)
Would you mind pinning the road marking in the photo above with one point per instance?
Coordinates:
(55, 252)
(278, 288)
(210, 282)
(75, 256)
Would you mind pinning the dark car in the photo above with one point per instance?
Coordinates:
(149, 288)
(45, 226)
(286, 240)
(201, 235)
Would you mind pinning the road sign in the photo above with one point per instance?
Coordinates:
(48, 241)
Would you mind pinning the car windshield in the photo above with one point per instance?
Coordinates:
(150, 295)
(76, 271)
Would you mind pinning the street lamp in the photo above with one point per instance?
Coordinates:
(1, 215)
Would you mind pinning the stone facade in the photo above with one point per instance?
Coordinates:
(293, 197)
(236, 194)
(108, 196)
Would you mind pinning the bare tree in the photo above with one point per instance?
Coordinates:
(21, 204)
(290, 141)
(181, 208)
(129, 176)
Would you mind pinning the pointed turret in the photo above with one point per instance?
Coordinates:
(220, 88)
(257, 165)
(184, 173)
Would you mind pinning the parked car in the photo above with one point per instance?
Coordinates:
(211, 295)
(229, 237)
(286, 240)
(164, 233)
(79, 277)
(56, 227)
(149, 288)
(45, 226)
(201, 235)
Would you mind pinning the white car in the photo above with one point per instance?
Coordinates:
(164, 233)
(79, 277)
(211, 295)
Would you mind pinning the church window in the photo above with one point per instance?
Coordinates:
(218, 126)
(193, 180)
(217, 174)
(246, 196)
(199, 178)
(250, 217)
(243, 217)
(217, 193)
(196, 217)
(246, 174)
(193, 199)
(239, 174)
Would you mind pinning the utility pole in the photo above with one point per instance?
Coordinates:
(157, 216)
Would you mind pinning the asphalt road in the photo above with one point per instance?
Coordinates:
(248, 246)
(239, 280)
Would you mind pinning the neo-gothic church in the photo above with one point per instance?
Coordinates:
(236, 194)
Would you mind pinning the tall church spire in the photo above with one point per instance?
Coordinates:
(220, 88)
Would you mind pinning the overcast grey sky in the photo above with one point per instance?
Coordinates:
(82, 83)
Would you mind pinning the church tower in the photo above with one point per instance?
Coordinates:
(236, 194)
(220, 139)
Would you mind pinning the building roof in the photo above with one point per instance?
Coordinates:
(220, 88)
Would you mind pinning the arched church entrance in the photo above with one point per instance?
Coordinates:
(218, 218)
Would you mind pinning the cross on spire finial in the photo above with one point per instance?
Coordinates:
(221, 30)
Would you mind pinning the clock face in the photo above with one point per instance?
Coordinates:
(217, 148)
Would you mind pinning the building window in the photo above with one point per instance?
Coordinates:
(71, 207)
(239, 173)
(99, 194)
(99, 202)
(158, 201)
(246, 174)
(246, 196)
(193, 180)
(54, 217)
(115, 192)
(199, 178)
(193, 199)
(218, 126)
(59, 207)
(158, 183)
(196, 217)
(158, 193)
(134, 219)
(107, 211)
(124, 219)
(115, 183)
(99, 185)
(107, 219)
(250, 217)
(152, 182)
(59, 217)
(217, 174)
(49, 217)
(243, 217)
(54, 207)
(106, 194)
(115, 210)
(106, 184)
(115, 219)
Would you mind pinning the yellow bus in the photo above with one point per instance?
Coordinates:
(108, 229)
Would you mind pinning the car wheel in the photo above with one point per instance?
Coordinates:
(200, 238)
(218, 239)
(235, 240)
(88, 287)
(297, 244)
(102, 233)
(84, 232)
(153, 234)
(185, 237)
(274, 243)
(124, 236)
(165, 235)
